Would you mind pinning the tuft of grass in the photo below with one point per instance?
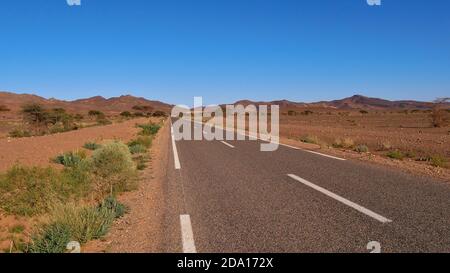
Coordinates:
(53, 238)
(362, 148)
(19, 133)
(145, 141)
(29, 191)
(141, 162)
(91, 146)
(149, 129)
(76, 223)
(70, 159)
(137, 149)
(345, 143)
(396, 155)
(438, 161)
(310, 139)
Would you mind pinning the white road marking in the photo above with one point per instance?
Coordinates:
(187, 235)
(175, 151)
(329, 156)
(282, 144)
(341, 199)
(228, 144)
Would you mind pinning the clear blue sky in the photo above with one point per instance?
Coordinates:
(225, 50)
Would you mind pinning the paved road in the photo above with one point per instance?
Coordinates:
(231, 197)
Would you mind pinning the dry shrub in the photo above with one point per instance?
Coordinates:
(345, 143)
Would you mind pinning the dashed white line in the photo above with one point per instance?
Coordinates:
(342, 199)
(187, 235)
(329, 156)
(175, 151)
(228, 144)
(285, 145)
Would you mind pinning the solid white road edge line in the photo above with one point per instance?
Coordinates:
(175, 151)
(187, 235)
(341, 199)
(228, 144)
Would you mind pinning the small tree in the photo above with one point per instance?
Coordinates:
(438, 112)
(34, 114)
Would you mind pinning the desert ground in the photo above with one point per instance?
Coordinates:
(402, 139)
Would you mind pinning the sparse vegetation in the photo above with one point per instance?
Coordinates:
(362, 148)
(149, 129)
(40, 121)
(438, 114)
(438, 161)
(345, 143)
(17, 229)
(396, 155)
(70, 159)
(19, 133)
(310, 139)
(137, 149)
(92, 146)
(292, 113)
(145, 141)
(75, 223)
(159, 114)
(96, 113)
(126, 114)
(30, 191)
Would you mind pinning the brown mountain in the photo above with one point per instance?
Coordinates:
(362, 102)
(354, 102)
(112, 105)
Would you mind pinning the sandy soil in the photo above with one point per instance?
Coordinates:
(141, 230)
(409, 133)
(37, 151)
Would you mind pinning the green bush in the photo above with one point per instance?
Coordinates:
(29, 191)
(74, 223)
(70, 159)
(145, 141)
(137, 149)
(52, 239)
(92, 146)
(113, 168)
(396, 155)
(149, 129)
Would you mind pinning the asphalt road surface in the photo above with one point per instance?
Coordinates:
(231, 197)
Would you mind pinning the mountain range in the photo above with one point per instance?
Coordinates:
(14, 102)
